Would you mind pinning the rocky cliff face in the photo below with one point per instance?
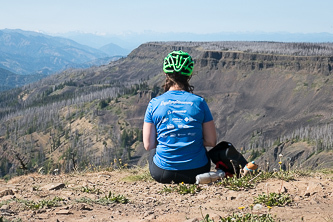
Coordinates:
(246, 61)
(254, 61)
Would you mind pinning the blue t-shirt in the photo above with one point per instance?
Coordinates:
(178, 117)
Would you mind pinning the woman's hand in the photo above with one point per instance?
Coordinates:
(149, 136)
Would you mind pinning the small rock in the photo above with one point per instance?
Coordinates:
(6, 214)
(43, 216)
(9, 197)
(6, 192)
(40, 211)
(148, 213)
(83, 207)
(4, 207)
(53, 186)
(65, 212)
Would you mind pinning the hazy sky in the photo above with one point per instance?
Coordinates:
(193, 16)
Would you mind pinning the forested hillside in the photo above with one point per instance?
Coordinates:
(11, 80)
(265, 97)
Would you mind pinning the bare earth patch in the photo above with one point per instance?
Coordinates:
(74, 199)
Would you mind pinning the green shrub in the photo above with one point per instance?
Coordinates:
(234, 183)
(87, 189)
(44, 203)
(111, 198)
(273, 199)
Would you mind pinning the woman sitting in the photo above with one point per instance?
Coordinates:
(178, 125)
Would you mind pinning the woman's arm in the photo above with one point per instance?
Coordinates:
(149, 136)
(209, 133)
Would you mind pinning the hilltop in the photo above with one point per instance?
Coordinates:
(266, 98)
(135, 197)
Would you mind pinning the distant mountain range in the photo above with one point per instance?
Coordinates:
(33, 53)
(131, 41)
(114, 50)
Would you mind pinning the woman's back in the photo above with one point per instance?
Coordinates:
(178, 117)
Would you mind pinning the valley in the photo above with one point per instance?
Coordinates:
(265, 98)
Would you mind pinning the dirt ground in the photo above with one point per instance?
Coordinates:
(312, 199)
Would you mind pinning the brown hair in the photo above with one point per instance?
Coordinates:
(178, 79)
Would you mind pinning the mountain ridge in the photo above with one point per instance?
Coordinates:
(133, 40)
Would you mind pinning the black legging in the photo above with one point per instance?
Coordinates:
(176, 176)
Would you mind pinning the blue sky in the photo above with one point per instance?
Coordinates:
(191, 16)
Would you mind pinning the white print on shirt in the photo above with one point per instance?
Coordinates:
(176, 111)
(176, 120)
(181, 134)
(165, 103)
(189, 119)
(191, 134)
(170, 126)
(172, 135)
(181, 126)
(179, 111)
(164, 120)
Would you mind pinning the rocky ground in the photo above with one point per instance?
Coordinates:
(73, 197)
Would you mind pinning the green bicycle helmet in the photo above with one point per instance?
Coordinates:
(179, 62)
